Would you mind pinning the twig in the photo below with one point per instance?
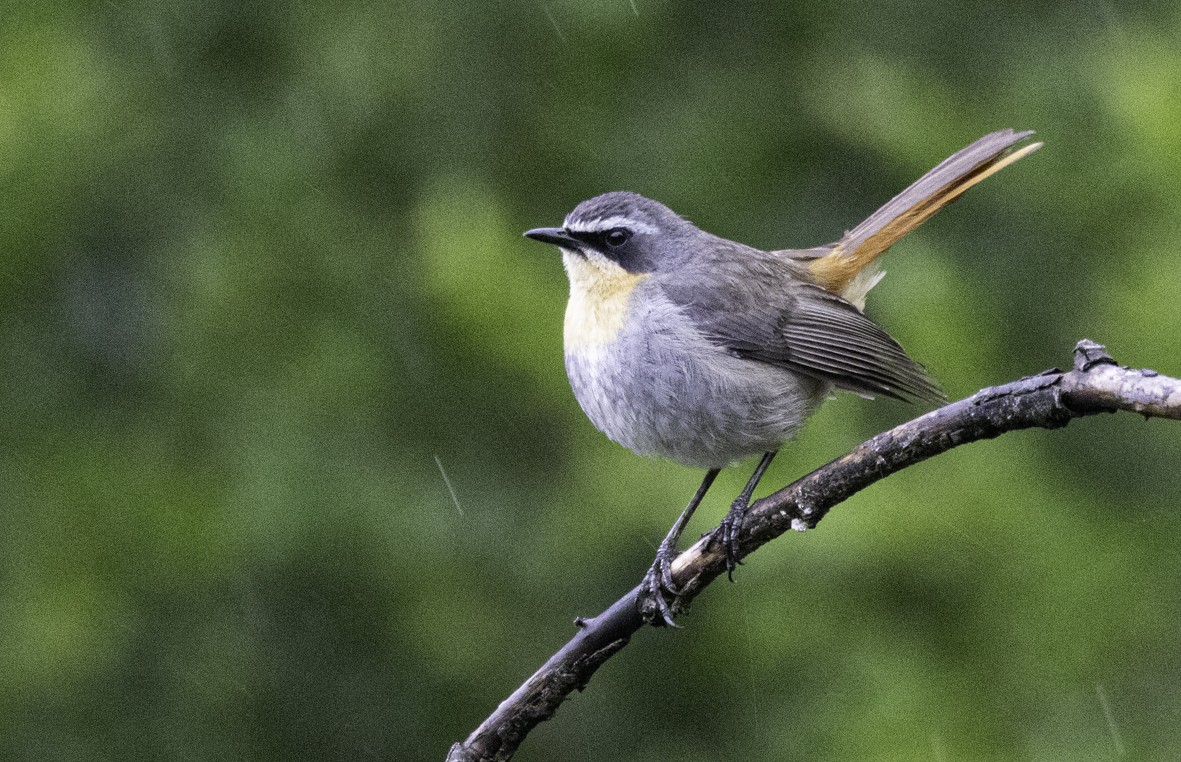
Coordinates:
(1049, 400)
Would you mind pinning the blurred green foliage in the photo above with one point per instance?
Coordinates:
(289, 468)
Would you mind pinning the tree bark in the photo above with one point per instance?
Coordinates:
(1096, 384)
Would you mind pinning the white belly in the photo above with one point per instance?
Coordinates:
(660, 388)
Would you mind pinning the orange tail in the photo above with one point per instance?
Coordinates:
(915, 205)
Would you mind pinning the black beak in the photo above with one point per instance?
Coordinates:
(556, 236)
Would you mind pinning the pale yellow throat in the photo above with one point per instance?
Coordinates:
(599, 293)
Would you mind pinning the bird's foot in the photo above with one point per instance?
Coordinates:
(729, 532)
(658, 594)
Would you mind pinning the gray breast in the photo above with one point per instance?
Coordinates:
(662, 389)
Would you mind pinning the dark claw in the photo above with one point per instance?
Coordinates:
(731, 530)
(658, 595)
(656, 590)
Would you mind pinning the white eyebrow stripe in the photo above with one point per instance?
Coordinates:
(600, 224)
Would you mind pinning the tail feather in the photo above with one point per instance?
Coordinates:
(912, 207)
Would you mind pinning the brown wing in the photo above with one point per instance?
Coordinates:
(760, 310)
(823, 335)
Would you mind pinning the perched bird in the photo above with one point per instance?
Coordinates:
(703, 350)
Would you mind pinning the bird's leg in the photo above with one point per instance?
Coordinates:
(659, 580)
(732, 525)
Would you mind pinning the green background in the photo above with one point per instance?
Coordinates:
(263, 293)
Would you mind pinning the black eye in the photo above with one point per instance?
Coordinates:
(617, 237)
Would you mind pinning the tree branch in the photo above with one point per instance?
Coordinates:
(1049, 400)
